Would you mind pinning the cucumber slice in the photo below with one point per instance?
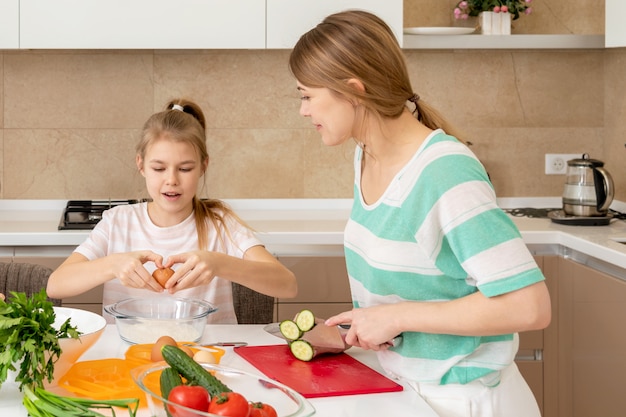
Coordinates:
(305, 320)
(290, 330)
(301, 349)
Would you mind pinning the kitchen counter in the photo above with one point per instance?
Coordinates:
(315, 226)
(402, 403)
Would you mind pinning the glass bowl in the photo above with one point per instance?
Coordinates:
(287, 402)
(144, 320)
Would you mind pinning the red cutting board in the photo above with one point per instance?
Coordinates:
(324, 376)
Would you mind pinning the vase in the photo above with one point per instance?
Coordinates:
(492, 23)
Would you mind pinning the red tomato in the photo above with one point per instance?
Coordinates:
(231, 404)
(191, 396)
(260, 409)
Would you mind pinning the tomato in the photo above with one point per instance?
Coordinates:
(191, 396)
(231, 404)
(260, 409)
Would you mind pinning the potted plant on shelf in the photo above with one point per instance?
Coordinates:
(494, 16)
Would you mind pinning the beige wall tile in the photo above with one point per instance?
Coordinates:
(70, 164)
(548, 16)
(81, 90)
(511, 89)
(68, 113)
(514, 157)
(615, 105)
(236, 89)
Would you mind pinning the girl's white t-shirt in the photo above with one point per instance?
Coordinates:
(128, 228)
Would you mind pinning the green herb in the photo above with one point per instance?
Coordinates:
(42, 403)
(29, 339)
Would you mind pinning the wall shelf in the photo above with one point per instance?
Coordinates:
(476, 41)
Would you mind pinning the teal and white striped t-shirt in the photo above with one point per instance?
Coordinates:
(437, 234)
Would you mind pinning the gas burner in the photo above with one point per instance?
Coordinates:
(85, 214)
(541, 213)
(556, 213)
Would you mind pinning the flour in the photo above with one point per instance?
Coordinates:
(145, 332)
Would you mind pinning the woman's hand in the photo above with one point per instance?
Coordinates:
(129, 269)
(370, 328)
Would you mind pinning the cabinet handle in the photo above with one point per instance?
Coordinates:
(529, 355)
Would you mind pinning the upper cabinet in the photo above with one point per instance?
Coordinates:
(287, 20)
(141, 24)
(614, 28)
(167, 24)
(9, 24)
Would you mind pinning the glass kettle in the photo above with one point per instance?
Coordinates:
(588, 188)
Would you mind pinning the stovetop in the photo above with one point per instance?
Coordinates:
(544, 213)
(85, 214)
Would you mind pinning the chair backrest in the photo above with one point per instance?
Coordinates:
(252, 307)
(24, 277)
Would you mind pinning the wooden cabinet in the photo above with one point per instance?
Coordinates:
(323, 286)
(592, 342)
(538, 349)
(9, 24)
(142, 24)
(287, 20)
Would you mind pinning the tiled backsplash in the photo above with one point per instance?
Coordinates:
(71, 119)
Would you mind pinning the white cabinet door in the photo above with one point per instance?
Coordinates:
(142, 24)
(614, 28)
(9, 24)
(287, 20)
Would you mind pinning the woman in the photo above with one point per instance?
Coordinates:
(430, 255)
(205, 242)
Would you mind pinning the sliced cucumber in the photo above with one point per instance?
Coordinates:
(302, 350)
(290, 330)
(305, 320)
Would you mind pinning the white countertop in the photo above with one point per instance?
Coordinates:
(402, 403)
(312, 226)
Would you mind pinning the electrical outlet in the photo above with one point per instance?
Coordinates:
(556, 163)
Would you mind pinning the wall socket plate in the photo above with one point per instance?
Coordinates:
(556, 163)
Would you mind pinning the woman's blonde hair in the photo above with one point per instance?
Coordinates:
(183, 121)
(359, 45)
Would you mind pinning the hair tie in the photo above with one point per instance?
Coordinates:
(178, 107)
(414, 98)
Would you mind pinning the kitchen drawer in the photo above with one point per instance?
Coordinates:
(531, 340)
(532, 371)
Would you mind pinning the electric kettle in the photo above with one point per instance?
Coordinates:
(588, 188)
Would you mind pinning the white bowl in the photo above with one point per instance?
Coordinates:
(90, 325)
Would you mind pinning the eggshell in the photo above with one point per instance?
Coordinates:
(162, 275)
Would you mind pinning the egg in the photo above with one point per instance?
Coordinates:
(162, 275)
(203, 356)
(155, 353)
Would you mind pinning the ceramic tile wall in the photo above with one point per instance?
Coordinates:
(70, 119)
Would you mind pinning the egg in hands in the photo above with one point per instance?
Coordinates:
(162, 275)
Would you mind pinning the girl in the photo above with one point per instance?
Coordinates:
(205, 241)
(430, 255)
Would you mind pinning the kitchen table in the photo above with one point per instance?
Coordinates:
(403, 403)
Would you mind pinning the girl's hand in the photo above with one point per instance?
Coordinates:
(129, 269)
(370, 328)
(198, 268)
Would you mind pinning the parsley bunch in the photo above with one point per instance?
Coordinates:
(29, 340)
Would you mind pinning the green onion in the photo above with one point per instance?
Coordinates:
(42, 403)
